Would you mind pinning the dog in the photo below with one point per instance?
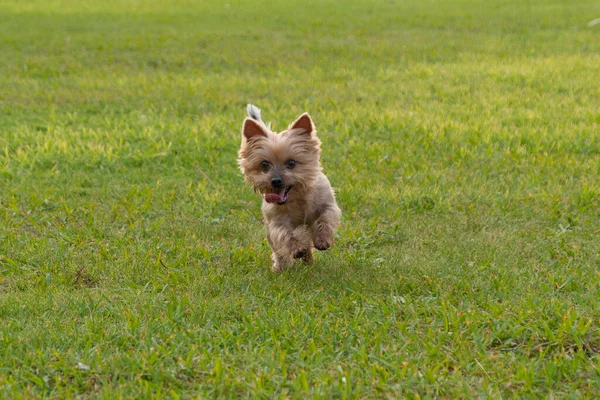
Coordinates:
(299, 206)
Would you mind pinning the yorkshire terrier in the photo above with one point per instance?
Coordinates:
(299, 205)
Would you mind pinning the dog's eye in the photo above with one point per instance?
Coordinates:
(290, 163)
(265, 165)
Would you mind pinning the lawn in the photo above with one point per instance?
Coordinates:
(463, 140)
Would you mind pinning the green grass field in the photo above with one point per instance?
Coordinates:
(462, 137)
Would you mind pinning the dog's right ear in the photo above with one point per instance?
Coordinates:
(252, 129)
(303, 123)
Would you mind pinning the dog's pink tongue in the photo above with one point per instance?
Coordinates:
(273, 198)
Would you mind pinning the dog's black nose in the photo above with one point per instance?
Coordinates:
(277, 182)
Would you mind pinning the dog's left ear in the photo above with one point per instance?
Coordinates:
(303, 122)
(252, 129)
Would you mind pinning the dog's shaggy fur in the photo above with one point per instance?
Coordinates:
(299, 205)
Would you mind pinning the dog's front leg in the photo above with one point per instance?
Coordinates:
(287, 243)
(325, 226)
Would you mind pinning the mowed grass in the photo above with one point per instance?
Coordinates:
(463, 139)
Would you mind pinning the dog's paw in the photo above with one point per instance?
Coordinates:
(280, 264)
(276, 268)
(301, 253)
(308, 257)
(298, 246)
(323, 243)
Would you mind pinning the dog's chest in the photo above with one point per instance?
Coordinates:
(296, 213)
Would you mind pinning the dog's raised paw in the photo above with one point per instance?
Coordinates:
(322, 244)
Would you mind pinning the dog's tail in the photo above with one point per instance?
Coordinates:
(254, 113)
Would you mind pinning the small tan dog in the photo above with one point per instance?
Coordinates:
(299, 204)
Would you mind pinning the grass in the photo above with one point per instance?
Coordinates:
(462, 138)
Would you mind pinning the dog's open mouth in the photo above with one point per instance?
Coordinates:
(279, 198)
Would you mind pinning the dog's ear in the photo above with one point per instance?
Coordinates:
(252, 129)
(304, 122)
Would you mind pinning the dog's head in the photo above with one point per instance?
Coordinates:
(281, 166)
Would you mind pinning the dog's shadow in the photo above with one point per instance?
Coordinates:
(336, 272)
